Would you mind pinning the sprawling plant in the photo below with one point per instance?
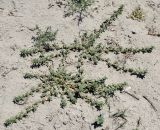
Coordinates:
(68, 86)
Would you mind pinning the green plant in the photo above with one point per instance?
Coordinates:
(30, 76)
(99, 121)
(97, 104)
(42, 38)
(63, 103)
(29, 52)
(137, 14)
(21, 99)
(42, 42)
(10, 121)
(58, 82)
(79, 8)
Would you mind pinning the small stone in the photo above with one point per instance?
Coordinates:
(133, 32)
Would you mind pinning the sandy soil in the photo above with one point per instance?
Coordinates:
(17, 16)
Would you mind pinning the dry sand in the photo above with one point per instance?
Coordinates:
(17, 16)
